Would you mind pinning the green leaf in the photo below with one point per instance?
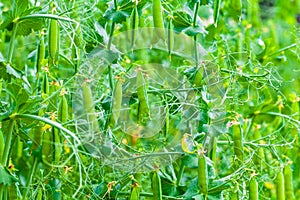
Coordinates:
(5, 177)
(116, 16)
(25, 27)
(6, 21)
(192, 31)
(12, 71)
(18, 92)
(19, 6)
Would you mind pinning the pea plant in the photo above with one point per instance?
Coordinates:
(137, 99)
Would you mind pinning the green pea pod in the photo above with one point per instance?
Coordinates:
(253, 189)
(143, 110)
(202, 175)
(216, 11)
(134, 24)
(170, 37)
(19, 153)
(259, 155)
(45, 84)
(1, 82)
(40, 54)
(124, 181)
(288, 182)
(238, 142)
(89, 109)
(37, 137)
(57, 144)
(39, 195)
(280, 186)
(198, 78)
(117, 101)
(135, 192)
(158, 21)
(156, 186)
(47, 147)
(62, 113)
(2, 144)
(53, 40)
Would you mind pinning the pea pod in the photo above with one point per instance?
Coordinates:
(62, 113)
(237, 142)
(1, 82)
(253, 189)
(202, 175)
(158, 18)
(53, 40)
(156, 186)
(280, 186)
(117, 101)
(47, 147)
(170, 37)
(288, 182)
(143, 110)
(2, 144)
(259, 155)
(134, 23)
(39, 195)
(40, 54)
(57, 144)
(45, 84)
(89, 109)
(19, 152)
(37, 133)
(37, 137)
(135, 192)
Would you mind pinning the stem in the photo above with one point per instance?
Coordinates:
(115, 4)
(33, 169)
(147, 194)
(195, 37)
(7, 143)
(47, 121)
(6, 153)
(12, 42)
(49, 16)
(180, 173)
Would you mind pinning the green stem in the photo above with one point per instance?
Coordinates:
(12, 42)
(180, 173)
(195, 37)
(6, 153)
(33, 169)
(47, 121)
(8, 143)
(49, 16)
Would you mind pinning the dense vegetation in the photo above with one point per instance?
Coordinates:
(158, 99)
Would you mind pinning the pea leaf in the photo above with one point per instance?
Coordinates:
(6, 22)
(5, 177)
(26, 26)
(192, 31)
(19, 6)
(116, 16)
(19, 9)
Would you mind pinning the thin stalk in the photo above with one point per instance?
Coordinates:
(33, 169)
(5, 159)
(195, 37)
(7, 143)
(12, 42)
(47, 121)
(180, 173)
